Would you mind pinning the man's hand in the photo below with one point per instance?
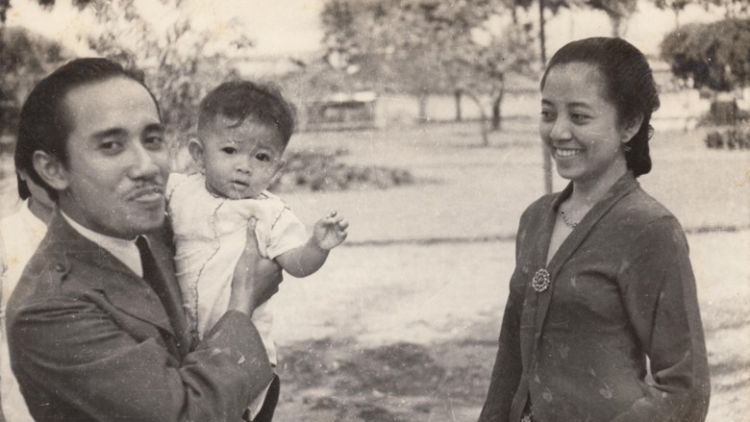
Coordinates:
(330, 231)
(255, 279)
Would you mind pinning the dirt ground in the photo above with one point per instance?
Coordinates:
(401, 323)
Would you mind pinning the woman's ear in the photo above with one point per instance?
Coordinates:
(195, 147)
(631, 128)
(51, 170)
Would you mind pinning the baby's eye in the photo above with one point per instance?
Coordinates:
(262, 156)
(229, 150)
(154, 142)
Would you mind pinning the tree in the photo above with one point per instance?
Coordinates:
(713, 55)
(427, 47)
(676, 6)
(178, 62)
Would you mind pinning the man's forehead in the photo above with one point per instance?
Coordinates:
(112, 101)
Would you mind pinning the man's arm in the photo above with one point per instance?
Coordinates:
(80, 351)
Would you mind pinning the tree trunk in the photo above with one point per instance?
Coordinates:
(616, 22)
(482, 118)
(547, 160)
(422, 99)
(497, 122)
(457, 96)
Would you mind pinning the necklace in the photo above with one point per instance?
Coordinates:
(567, 221)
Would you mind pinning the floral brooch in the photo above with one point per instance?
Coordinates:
(541, 280)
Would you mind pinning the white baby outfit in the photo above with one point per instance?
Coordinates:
(210, 233)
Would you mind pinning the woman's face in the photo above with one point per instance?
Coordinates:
(580, 126)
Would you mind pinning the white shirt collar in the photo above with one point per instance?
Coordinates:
(124, 250)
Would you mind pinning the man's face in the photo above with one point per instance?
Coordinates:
(117, 159)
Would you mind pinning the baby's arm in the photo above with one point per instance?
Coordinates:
(328, 233)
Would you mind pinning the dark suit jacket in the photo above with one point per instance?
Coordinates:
(622, 289)
(91, 341)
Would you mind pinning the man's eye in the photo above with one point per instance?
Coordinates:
(111, 147)
(229, 150)
(548, 115)
(262, 156)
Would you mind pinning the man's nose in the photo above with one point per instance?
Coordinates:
(146, 163)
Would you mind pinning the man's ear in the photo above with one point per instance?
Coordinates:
(51, 170)
(631, 128)
(195, 147)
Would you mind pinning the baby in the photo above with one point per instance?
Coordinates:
(243, 130)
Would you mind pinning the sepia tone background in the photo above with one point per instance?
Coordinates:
(401, 131)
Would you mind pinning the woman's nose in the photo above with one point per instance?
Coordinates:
(560, 129)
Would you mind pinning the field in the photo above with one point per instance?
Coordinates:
(401, 323)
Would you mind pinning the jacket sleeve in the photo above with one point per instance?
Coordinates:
(76, 350)
(660, 297)
(506, 373)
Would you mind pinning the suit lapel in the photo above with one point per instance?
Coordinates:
(620, 189)
(170, 290)
(124, 289)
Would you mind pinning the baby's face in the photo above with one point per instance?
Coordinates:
(241, 161)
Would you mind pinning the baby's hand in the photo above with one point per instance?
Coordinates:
(330, 231)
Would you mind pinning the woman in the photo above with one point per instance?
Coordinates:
(602, 320)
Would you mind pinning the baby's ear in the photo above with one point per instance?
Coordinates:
(195, 147)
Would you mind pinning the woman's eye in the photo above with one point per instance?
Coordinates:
(579, 118)
(229, 150)
(262, 157)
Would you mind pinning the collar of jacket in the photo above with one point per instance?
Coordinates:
(122, 287)
(624, 186)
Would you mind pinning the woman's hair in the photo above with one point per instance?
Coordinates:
(628, 85)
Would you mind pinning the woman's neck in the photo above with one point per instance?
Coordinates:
(588, 192)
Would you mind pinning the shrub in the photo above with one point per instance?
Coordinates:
(734, 138)
(319, 171)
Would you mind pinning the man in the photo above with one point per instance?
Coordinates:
(96, 326)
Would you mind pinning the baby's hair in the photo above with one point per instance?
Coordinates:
(240, 100)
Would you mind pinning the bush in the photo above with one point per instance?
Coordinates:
(319, 171)
(724, 113)
(735, 138)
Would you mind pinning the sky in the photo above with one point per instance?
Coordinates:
(289, 27)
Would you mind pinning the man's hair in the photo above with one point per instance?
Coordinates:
(45, 124)
(240, 100)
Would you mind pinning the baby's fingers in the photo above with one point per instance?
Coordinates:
(342, 224)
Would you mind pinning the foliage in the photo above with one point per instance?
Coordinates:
(424, 47)
(732, 139)
(24, 58)
(713, 55)
(179, 62)
(319, 171)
